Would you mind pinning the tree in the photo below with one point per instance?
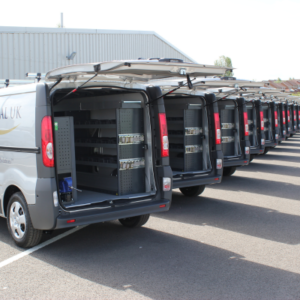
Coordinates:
(225, 61)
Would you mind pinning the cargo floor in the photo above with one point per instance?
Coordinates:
(90, 197)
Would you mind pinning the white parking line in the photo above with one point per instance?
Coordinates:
(38, 247)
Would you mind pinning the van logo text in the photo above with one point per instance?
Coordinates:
(10, 112)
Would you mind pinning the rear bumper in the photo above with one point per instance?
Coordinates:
(204, 179)
(108, 214)
(235, 162)
(271, 144)
(256, 150)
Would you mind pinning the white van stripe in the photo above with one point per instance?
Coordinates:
(38, 247)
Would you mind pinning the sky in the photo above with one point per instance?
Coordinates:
(261, 37)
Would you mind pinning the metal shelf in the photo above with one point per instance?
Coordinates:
(95, 164)
(177, 150)
(176, 135)
(95, 126)
(95, 145)
(175, 122)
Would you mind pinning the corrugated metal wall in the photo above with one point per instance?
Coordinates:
(25, 50)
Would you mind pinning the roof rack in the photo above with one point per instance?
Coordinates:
(13, 82)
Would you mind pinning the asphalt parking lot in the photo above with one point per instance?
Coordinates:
(239, 240)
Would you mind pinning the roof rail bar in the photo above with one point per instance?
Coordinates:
(37, 76)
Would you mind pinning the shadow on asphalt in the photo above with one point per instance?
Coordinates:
(245, 219)
(278, 157)
(164, 266)
(285, 150)
(7, 239)
(259, 186)
(259, 166)
(288, 144)
(159, 265)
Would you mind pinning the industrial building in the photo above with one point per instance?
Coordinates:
(38, 50)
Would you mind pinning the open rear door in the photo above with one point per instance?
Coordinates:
(136, 70)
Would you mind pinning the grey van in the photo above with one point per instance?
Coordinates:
(193, 123)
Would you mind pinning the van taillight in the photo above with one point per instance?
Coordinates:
(295, 117)
(246, 124)
(164, 140)
(276, 118)
(299, 114)
(262, 123)
(283, 117)
(217, 128)
(47, 142)
(288, 115)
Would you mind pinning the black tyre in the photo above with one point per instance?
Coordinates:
(228, 171)
(252, 157)
(266, 150)
(19, 223)
(192, 191)
(135, 221)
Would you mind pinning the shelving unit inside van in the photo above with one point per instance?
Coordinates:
(109, 146)
(109, 154)
(186, 134)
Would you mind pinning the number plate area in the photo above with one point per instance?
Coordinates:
(129, 139)
(228, 125)
(227, 139)
(193, 130)
(193, 149)
(131, 163)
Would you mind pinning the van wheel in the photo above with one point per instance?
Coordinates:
(266, 150)
(135, 221)
(192, 191)
(252, 157)
(228, 171)
(19, 223)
